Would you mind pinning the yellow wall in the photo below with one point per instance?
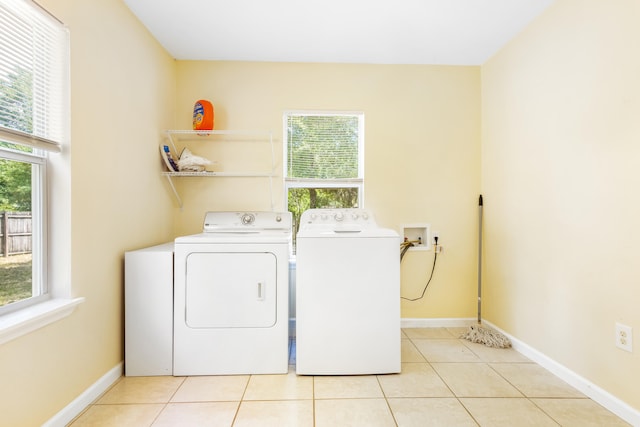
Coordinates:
(422, 153)
(560, 174)
(122, 94)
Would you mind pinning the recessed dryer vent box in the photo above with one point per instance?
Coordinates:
(419, 234)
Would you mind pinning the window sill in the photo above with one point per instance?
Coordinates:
(14, 325)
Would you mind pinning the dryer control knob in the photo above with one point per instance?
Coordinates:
(339, 216)
(247, 218)
(354, 215)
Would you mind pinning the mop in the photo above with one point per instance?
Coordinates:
(478, 333)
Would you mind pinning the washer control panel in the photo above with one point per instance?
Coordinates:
(332, 217)
(243, 221)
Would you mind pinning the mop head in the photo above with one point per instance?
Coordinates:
(488, 337)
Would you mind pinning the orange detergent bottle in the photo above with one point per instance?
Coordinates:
(203, 115)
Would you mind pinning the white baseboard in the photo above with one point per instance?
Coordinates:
(597, 394)
(75, 408)
(437, 323)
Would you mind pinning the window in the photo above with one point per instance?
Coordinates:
(22, 256)
(324, 161)
(33, 121)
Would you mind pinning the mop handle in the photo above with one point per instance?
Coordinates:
(480, 259)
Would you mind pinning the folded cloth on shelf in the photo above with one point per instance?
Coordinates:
(189, 162)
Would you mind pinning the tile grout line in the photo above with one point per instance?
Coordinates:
(165, 404)
(446, 384)
(529, 398)
(313, 399)
(244, 392)
(501, 376)
(386, 398)
(544, 412)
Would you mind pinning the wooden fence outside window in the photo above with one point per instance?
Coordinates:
(15, 233)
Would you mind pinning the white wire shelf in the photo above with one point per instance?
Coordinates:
(188, 136)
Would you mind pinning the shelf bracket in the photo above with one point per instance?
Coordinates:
(175, 192)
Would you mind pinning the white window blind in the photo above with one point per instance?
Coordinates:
(33, 76)
(324, 147)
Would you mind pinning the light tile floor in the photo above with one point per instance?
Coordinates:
(444, 382)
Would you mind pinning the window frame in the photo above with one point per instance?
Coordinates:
(54, 180)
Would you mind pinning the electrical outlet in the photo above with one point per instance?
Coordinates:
(624, 337)
(435, 235)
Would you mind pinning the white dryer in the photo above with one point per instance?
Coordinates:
(231, 295)
(347, 294)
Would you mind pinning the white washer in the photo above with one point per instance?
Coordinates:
(347, 294)
(231, 295)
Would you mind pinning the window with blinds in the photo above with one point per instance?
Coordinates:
(324, 161)
(34, 85)
(323, 147)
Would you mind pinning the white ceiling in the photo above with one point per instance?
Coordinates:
(452, 32)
